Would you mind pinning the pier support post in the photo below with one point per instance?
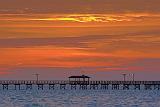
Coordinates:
(73, 86)
(5, 86)
(15, 86)
(115, 86)
(83, 86)
(40, 86)
(157, 86)
(94, 86)
(62, 86)
(28, 86)
(147, 86)
(51, 86)
(137, 86)
(104, 86)
(126, 86)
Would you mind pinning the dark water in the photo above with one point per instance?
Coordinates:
(80, 98)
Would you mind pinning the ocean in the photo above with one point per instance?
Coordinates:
(79, 98)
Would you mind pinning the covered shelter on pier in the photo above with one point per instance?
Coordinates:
(79, 79)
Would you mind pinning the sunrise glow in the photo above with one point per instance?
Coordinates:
(95, 37)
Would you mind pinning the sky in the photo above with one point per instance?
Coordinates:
(100, 38)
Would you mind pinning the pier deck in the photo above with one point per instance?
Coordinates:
(82, 85)
(10, 82)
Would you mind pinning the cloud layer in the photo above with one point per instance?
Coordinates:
(79, 6)
(94, 37)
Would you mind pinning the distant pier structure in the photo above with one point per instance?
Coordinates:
(82, 82)
(79, 79)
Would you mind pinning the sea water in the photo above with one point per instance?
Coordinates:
(79, 98)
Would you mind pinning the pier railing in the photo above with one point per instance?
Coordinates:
(83, 85)
(74, 82)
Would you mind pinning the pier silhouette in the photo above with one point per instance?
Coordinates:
(82, 82)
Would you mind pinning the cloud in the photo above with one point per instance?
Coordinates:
(146, 36)
(86, 18)
(131, 44)
(27, 47)
(144, 69)
(79, 6)
(80, 17)
(77, 42)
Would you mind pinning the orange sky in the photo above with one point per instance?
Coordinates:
(92, 37)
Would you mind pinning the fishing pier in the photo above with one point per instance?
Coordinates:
(78, 83)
